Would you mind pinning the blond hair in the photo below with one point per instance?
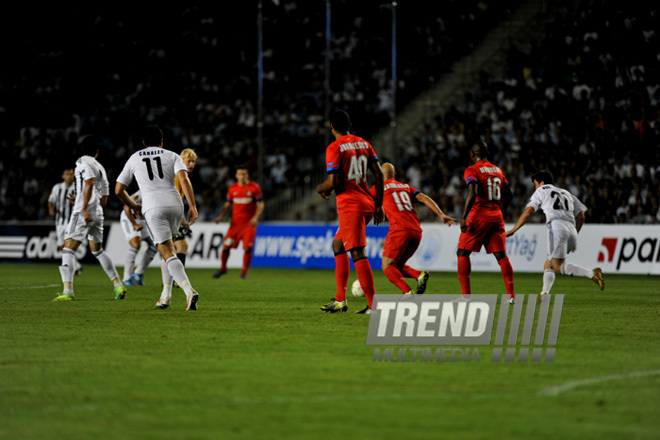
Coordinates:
(188, 152)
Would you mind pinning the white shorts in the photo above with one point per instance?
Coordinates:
(80, 230)
(130, 232)
(163, 223)
(562, 238)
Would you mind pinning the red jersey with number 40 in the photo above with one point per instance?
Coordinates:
(399, 205)
(244, 201)
(349, 156)
(489, 179)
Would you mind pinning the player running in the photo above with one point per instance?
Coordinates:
(154, 168)
(482, 222)
(92, 191)
(347, 160)
(564, 217)
(247, 202)
(60, 207)
(405, 231)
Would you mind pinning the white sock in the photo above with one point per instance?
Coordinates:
(76, 264)
(165, 274)
(107, 264)
(129, 263)
(166, 294)
(576, 271)
(548, 280)
(148, 255)
(178, 272)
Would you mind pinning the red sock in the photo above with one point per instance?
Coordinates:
(464, 270)
(247, 257)
(394, 275)
(366, 277)
(342, 270)
(224, 256)
(410, 272)
(507, 276)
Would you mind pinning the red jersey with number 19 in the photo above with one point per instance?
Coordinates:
(399, 205)
(349, 156)
(489, 193)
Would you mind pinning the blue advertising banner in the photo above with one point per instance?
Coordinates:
(308, 246)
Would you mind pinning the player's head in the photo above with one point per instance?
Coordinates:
(242, 174)
(189, 158)
(388, 171)
(340, 122)
(67, 176)
(153, 136)
(543, 177)
(479, 151)
(90, 146)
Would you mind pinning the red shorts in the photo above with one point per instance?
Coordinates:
(491, 235)
(353, 229)
(243, 232)
(401, 245)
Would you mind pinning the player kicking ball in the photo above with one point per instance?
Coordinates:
(564, 217)
(405, 231)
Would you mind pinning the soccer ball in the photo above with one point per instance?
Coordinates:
(357, 289)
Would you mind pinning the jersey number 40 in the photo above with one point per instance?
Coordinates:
(358, 169)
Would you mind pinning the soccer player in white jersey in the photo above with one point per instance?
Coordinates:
(564, 216)
(92, 191)
(154, 168)
(60, 207)
(136, 233)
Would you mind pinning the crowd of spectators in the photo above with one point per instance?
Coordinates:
(193, 71)
(584, 103)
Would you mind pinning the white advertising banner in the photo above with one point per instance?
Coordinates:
(631, 249)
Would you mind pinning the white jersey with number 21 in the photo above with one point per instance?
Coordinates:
(556, 203)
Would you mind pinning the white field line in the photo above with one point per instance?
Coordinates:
(31, 287)
(558, 389)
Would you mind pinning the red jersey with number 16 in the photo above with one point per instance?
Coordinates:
(399, 205)
(244, 201)
(349, 156)
(489, 180)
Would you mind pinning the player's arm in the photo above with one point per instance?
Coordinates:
(377, 171)
(120, 191)
(469, 203)
(223, 213)
(423, 198)
(51, 208)
(522, 220)
(189, 194)
(328, 185)
(129, 216)
(87, 196)
(260, 208)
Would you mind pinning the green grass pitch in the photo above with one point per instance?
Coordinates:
(259, 360)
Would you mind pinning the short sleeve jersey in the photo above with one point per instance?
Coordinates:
(88, 168)
(59, 197)
(244, 201)
(489, 179)
(154, 169)
(349, 156)
(556, 203)
(399, 205)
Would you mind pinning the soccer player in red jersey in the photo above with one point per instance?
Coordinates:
(405, 232)
(482, 222)
(348, 158)
(247, 201)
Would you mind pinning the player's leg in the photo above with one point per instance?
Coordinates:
(464, 269)
(342, 272)
(76, 232)
(145, 260)
(365, 276)
(230, 242)
(468, 242)
(129, 262)
(249, 234)
(495, 243)
(96, 246)
(394, 252)
(507, 274)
